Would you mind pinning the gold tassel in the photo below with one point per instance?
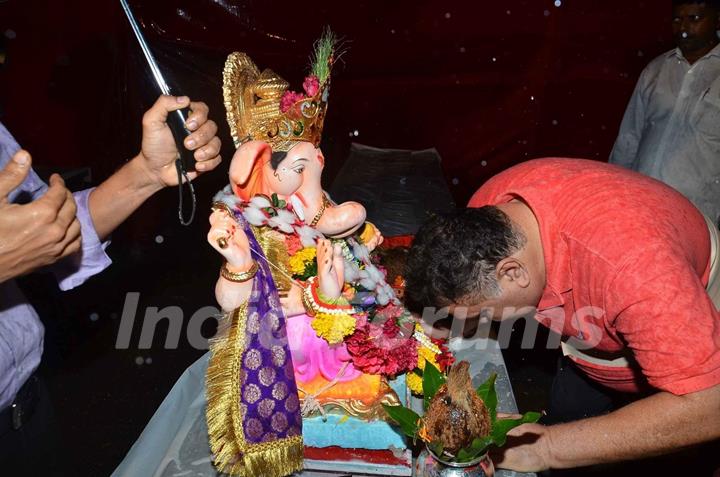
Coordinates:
(231, 453)
(223, 393)
(280, 458)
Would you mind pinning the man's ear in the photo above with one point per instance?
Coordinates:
(512, 271)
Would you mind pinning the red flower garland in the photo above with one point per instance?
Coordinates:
(382, 347)
(445, 359)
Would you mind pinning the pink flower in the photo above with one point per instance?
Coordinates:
(311, 85)
(375, 351)
(361, 320)
(289, 99)
(390, 328)
(391, 311)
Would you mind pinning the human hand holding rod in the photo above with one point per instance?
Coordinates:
(176, 120)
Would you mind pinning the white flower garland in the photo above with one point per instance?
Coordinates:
(369, 276)
(253, 212)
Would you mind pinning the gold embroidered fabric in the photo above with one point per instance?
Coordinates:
(225, 412)
(273, 245)
(367, 409)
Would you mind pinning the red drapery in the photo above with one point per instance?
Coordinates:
(489, 84)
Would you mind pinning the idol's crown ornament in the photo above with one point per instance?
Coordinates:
(261, 107)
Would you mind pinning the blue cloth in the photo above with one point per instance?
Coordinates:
(175, 441)
(21, 332)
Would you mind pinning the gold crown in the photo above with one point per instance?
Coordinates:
(260, 107)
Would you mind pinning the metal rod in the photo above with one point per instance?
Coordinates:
(159, 79)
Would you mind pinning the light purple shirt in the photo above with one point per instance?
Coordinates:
(21, 332)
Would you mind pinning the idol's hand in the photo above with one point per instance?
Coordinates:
(230, 240)
(292, 304)
(371, 238)
(159, 151)
(331, 269)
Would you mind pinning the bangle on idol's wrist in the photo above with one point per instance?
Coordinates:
(315, 303)
(239, 277)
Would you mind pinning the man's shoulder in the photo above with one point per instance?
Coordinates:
(652, 70)
(547, 176)
(662, 59)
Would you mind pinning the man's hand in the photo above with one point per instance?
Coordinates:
(39, 233)
(651, 426)
(526, 449)
(159, 151)
(154, 168)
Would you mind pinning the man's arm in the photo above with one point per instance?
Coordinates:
(154, 168)
(47, 229)
(624, 152)
(678, 354)
(658, 424)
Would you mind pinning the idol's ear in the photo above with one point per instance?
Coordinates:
(246, 168)
(248, 156)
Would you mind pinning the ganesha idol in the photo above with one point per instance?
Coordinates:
(313, 341)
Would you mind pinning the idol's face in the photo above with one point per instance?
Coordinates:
(287, 177)
(695, 27)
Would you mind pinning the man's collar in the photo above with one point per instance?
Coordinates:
(677, 53)
(715, 51)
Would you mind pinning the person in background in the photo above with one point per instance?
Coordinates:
(46, 225)
(671, 128)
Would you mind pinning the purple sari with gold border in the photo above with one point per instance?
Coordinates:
(253, 409)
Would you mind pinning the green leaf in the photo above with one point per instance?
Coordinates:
(477, 448)
(275, 200)
(503, 426)
(281, 204)
(432, 380)
(312, 268)
(487, 393)
(436, 448)
(406, 418)
(463, 456)
(322, 57)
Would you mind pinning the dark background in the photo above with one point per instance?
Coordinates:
(460, 76)
(489, 84)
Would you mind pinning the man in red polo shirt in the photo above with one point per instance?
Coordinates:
(615, 262)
